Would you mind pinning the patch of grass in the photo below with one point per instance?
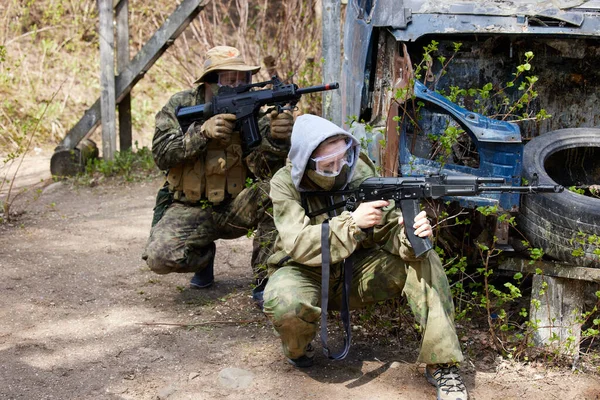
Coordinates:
(132, 166)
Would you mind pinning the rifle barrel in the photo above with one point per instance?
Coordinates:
(523, 189)
(491, 180)
(318, 88)
(469, 179)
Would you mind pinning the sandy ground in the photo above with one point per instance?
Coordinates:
(82, 317)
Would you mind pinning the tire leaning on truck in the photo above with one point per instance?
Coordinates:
(558, 222)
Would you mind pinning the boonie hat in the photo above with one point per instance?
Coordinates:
(222, 58)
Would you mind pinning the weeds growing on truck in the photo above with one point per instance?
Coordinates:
(385, 40)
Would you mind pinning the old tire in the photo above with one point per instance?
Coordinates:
(563, 224)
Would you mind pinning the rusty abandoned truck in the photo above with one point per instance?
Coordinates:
(385, 39)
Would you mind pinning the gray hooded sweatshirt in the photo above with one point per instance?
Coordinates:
(308, 133)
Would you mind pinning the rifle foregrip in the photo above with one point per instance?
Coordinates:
(410, 209)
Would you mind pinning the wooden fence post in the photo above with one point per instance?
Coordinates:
(558, 313)
(107, 79)
(66, 160)
(122, 62)
(558, 299)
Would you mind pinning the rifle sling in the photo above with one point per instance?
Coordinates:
(326, 209)
(345, 311)
(329, 195)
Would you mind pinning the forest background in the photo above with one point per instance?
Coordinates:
(49, 59)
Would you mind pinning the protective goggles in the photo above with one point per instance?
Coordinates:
(332, 164)
(234, 78)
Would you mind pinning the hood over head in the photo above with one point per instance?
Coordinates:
(308, 133)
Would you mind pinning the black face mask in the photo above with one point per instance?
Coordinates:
(330, 182)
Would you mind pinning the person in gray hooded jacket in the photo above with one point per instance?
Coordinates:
(324, 157)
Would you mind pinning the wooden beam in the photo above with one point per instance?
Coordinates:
(556, 269)
(142, 62)
(107, 79)
(122, 19)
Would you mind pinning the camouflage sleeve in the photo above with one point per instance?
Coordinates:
(270, 155)
(170, 146)
(300, 239)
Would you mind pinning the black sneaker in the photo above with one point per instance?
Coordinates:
(448, 382)
(306, 360)
(257, 296)
(205, 278)
(258, 292)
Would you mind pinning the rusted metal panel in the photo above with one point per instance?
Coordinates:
(397, 15)
(356, 49)
(412, 19)
(428, 24)
(331, 54)
(401, 77)
(497, 7)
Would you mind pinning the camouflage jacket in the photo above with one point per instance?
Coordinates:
(169, 141)
(300, 236)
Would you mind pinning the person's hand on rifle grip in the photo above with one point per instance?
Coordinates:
(281, 125)
(219, 127)
(369, 214)
(422, 226)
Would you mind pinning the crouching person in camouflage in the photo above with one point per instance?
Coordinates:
(207, 195)
(324, 157)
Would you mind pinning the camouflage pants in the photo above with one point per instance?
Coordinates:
(293, 294)
(182, 239)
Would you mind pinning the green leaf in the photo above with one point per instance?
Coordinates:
(518, 276)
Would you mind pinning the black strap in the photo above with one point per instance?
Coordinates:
(328, 195)
(345, 311)
(327, 209)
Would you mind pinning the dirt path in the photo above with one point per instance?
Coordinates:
(78, 305)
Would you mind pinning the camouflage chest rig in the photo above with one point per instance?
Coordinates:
(220, 172)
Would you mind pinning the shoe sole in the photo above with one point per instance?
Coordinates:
(301, 365)
(196, 286)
